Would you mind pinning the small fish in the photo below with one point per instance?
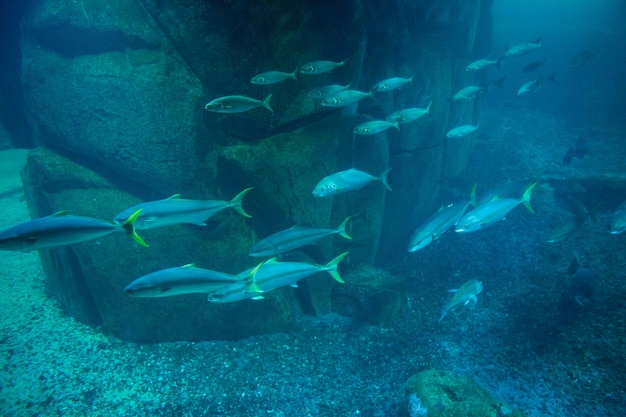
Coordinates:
(273, 274)
(533, 66)
(391, 84)
(617, 223)
(582, 58)
(294, 238)
(373, 127)
(481, 64)
(469, 93)
(349, 180)
(176, 210)
(345, 98)
(439, 223)
(321, 93)
(320, 67)
(186, 279)
(466, 293)
(237, 104)
(273, 77)
(492, 211)
(462, 131)
(61, 229)
(524, 48)
(534, 85)
(408, 115)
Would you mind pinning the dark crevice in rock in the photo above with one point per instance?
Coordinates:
(70, 42)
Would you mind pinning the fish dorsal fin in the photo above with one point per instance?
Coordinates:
(173, 197)
(60, 213)
(189, 266)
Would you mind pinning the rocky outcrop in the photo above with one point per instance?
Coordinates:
(114, 91)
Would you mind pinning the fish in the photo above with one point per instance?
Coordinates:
(571, 225)
(524, 48)
(237, 104)
(273, 77)
(321, 93)
(472, 92)
(437, 224)
(345, 98)
(492, 211)
(373, 127)
(461, 131)
(408, 115)
(61, 229)
(569, 155)
(294, 238)
(349, 180)
(320, 67)
(187, 279)
(481, 64)
(580, 149)
(617, 223)
(533, 86)
(176, 210)
(583, 58)
(463, 295)
(469, 93)
(533, 66)
(391, 84)
(273, 274)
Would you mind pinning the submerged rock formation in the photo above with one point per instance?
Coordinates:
(115, 92)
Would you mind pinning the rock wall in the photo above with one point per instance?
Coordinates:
(114, 92)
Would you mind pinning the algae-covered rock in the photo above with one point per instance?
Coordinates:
(446, 394)
(370, 295)
(89, 278)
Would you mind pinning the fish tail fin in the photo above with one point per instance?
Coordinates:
(500, 82)
(266, 103)
(428, 107)
(331, 268)
(250, 280)
(473, 201)
(499, 61)
(526, 197)
(129, 227)
(294, 74)
(236, 203)
(342, 63)
(396, 125)
(538, 40)
(341, 230)
(383, 178)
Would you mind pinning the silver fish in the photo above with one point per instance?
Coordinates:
(349, 180)
(491, 212)
(273, 77)
(237, 104)
(320, 67)
(186, 279)
(481, 64)
(175, 210)
(373, 127)
(469, 93)
(320, 93)
(295, 237)
(461, 131)
(273, 274)
(466, 293)
(391, 84)
(523, 48)
(534, 85)
(439, 223)
(345, 98)
(60, 229)
(408, 115)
